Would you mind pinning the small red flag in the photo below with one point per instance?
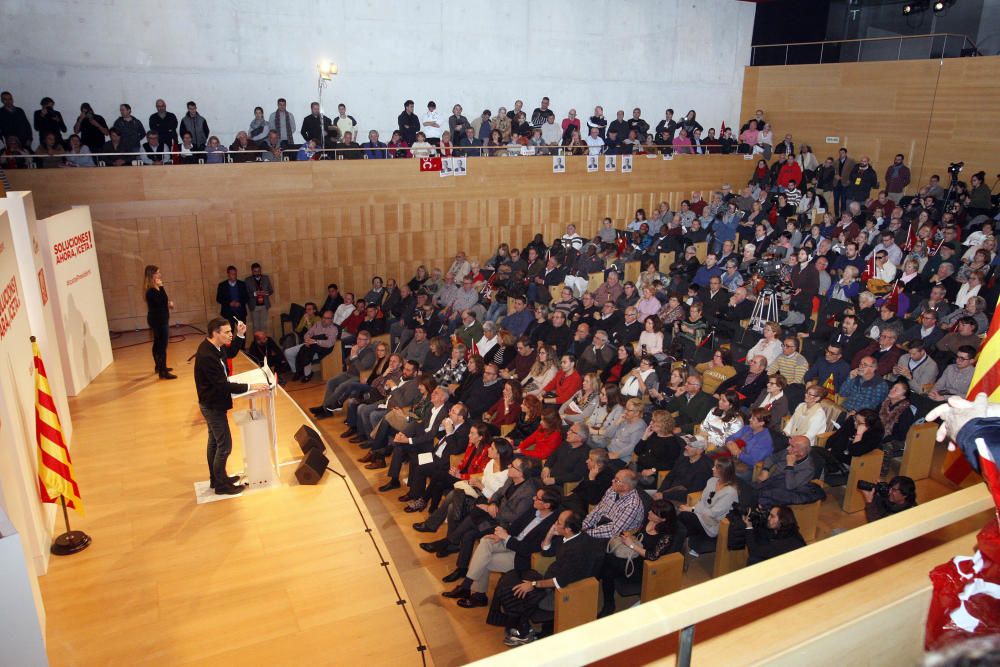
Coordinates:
(430, 164)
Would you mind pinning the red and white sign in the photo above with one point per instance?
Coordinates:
(430, 164)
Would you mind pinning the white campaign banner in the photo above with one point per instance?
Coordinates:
(20, 209)
(77, 295)
(18, 452)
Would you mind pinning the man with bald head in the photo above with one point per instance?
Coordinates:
(786, 477)
(164, 123)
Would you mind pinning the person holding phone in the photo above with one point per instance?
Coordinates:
(215, 398)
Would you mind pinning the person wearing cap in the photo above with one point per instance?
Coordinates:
(690, 472)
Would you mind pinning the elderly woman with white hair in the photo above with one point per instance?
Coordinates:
(489, 340)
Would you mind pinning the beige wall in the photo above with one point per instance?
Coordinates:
(934, 112)
(317, 222)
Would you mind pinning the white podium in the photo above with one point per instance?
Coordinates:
(258, 427)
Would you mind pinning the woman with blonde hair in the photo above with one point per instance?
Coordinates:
(770, 345)
(583, 402)
(501, 122)
(545, 368)
(158, 308)
(809, 418)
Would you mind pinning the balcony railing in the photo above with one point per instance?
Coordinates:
(899, 47)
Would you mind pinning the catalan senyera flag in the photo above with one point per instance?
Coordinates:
(986, 380)
(55, 468)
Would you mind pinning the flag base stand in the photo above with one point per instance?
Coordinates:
(70, 543)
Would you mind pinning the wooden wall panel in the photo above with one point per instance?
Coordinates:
(313, 223)
(933, 111)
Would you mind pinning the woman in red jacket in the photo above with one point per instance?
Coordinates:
(545, 439)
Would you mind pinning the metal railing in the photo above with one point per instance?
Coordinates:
(256, 154)
(868, 49)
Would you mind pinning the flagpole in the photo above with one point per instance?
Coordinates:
(72, 541)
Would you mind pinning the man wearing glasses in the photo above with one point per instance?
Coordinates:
(957, 378)
(864, 388)
(790, 363)
(831, 371)
(620, 509)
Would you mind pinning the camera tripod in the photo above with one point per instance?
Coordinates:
(764, 310)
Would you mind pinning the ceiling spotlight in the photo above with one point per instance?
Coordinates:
(907, 9)
(941, 5)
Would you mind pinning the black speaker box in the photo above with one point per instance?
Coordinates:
(308, 439)
(311, 470)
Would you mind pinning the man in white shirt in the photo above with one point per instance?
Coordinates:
(893, 251)
(571, 238)
(551, 133)
(431, 124)
(594, 140)
(345, 309)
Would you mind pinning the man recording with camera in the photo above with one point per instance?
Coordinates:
(883, 499)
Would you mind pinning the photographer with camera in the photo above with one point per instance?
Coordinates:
(883, 499)
(768, 533)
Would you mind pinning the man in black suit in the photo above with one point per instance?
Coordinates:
(714, 300)
(736, 309)
(406, 443)
(504, 550)
(747, 384)
(691, 405)
(233, 297)
(521, 593)
(596, 357)
(407, 446)
(629, 330)
(215, 398)
(483, 392)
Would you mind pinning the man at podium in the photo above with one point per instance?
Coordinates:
(215, 397)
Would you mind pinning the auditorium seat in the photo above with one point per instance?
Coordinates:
(918, 451)
(868, 468)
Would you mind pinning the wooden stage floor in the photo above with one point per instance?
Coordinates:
(276, 577)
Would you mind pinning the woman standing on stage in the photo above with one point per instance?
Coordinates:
(158, 318)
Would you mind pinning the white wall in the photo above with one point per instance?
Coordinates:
(231, 56)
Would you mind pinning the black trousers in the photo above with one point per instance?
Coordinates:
(161, 336)
(307, 355)
(220, 443)
(508, 610)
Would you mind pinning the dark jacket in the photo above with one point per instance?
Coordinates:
(514, 500)
(568, 464)
(211, 378)
(692, 410)
(576, 559)
(222, 298)
(532, 542)
(424, 441)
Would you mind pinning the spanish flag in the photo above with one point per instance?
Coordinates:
(829, 385)
(986, 380)
(55, 469)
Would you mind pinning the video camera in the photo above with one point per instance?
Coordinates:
(880, 488)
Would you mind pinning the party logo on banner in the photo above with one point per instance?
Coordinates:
(10, 303)
(73, 246)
